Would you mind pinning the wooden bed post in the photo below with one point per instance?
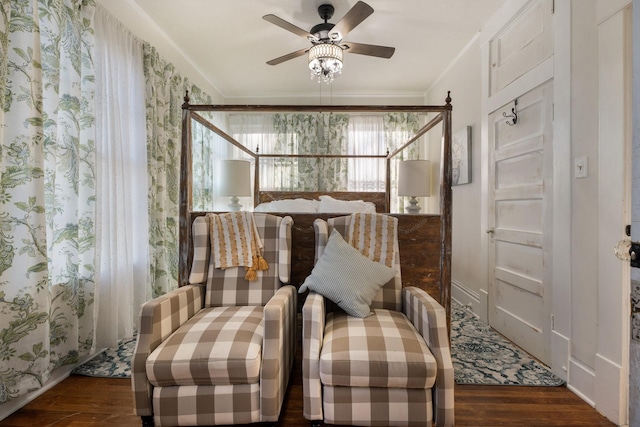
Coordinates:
(446, 210)
(388, 184)
(184, 261)
(256, 180)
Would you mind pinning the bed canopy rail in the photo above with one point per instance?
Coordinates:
(442, 115)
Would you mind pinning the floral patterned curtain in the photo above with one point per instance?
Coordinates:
(398, 128)
(314, 134)
(203, 142)
(165, 94)
(164, 97)
(327, 133)
(47, 195)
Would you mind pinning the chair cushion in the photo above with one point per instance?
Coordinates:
(217, 346)
(347, 277)
(382, 350)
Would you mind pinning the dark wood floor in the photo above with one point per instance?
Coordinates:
(83, 401)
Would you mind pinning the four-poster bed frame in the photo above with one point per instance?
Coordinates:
(424, 239)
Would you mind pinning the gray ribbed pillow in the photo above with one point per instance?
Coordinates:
(347, 277)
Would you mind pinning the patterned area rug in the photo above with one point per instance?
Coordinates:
(111, 363)
(482, 356)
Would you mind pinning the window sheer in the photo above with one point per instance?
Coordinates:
(122, 266)
(325, 133)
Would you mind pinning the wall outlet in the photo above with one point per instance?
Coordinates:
(581, 167)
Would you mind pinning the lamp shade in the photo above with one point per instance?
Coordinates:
(414, 178)
(234, 178)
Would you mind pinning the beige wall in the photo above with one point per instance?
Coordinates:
(463, 80)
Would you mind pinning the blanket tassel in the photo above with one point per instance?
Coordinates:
(260, 264)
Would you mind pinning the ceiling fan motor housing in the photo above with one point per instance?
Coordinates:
(321, 31)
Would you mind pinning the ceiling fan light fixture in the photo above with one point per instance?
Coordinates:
(325, 61)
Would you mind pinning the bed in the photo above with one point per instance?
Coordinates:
(424, 239)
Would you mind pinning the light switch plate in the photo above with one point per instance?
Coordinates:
(581, 167)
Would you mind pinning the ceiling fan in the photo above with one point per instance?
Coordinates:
(327, 38)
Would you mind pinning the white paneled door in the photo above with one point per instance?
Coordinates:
(520, 172)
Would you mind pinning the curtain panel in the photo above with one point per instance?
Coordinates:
(165, 90)
(324, 133)
(163, 99)
(204, 147)
(314, 134)
(47, 197)
(398, 128)
(71, 211)
(122, 263)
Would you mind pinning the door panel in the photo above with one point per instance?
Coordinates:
(524, 215)
(522, 45)
(520, 200)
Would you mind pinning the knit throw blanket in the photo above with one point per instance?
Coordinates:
(374, 235)
(235, 242)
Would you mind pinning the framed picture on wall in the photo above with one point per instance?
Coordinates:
(461, 156)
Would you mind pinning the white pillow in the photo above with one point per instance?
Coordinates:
(330, 205)
(346, 277)
(293, 205)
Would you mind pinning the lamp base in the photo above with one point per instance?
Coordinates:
(412, 207)
(234, 206)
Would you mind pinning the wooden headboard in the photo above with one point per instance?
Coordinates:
(419, 240)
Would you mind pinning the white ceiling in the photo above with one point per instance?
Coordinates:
(229, 43)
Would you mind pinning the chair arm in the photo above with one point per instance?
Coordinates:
(430, 319)
(159, 318)
(278, 350)
(313, 320)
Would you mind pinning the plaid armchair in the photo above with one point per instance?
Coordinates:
(392, 368)
(219, 350)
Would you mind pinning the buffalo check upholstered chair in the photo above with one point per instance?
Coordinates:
(219, 350)
(391, 368)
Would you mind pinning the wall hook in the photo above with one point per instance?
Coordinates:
(514, 114)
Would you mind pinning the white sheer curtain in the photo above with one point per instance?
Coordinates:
(256, 131)
(355, 134)
(366, 137)
(121, 194)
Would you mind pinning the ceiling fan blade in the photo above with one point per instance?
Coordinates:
(288, 26)
(288, 56)
(358, 13)
(368, 49)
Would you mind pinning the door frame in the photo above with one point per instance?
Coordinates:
(634, 344)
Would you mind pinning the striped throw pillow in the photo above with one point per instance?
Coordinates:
(346, 277)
